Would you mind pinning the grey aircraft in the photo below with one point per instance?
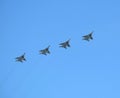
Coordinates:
(21, 58)
(45, 51)
(88, 37)
(65, 44)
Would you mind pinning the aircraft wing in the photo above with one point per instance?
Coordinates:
(62, 43)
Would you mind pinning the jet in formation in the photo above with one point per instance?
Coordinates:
(21, 58)
(45, 51)
(65, 44)
(88, 37)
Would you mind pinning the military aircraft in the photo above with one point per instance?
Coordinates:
(45, 51)
(21, 58)
(88, 36)
(65, 44)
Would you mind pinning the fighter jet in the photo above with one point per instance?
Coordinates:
(45, 51)
(65, 44)
(21, 58)
(88, 36)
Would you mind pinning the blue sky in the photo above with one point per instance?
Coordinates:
(85, 70)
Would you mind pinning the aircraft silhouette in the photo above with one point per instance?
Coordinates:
(88, 36)
(21, 58)
(65, 44)
(45, 51)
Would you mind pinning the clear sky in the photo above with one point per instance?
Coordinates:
(85, 70)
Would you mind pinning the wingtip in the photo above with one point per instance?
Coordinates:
(49, 46)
